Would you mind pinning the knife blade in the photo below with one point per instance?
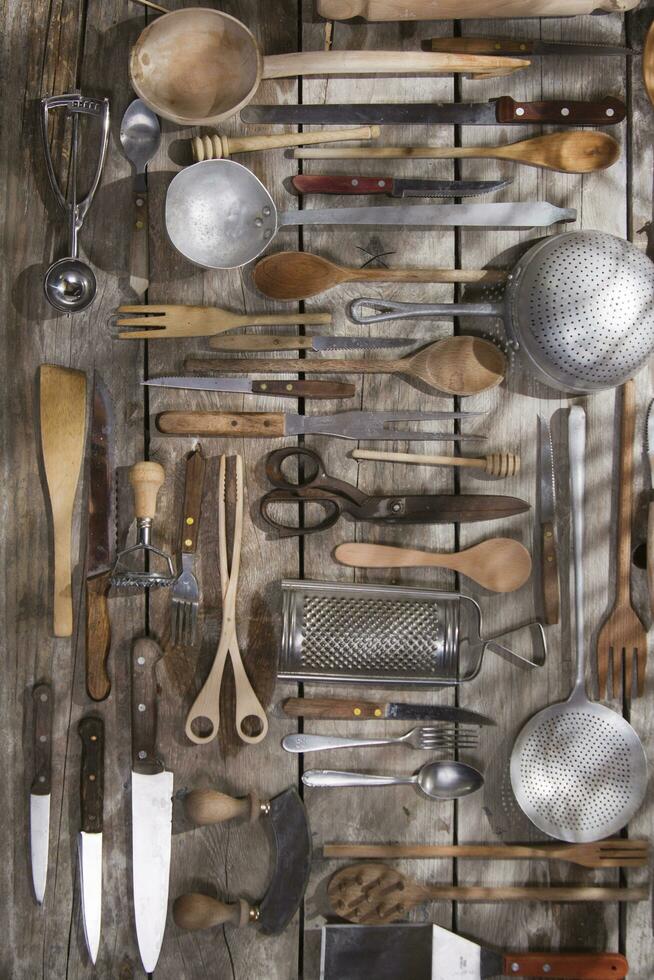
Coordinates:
(512, 46)
(43, 707)
(335, 709)
(394, 187)
(548, 543)
(101, 530)
(649, 449)
(260, 342)
(152, 807)
(501, 111)
(278, 389)
(89, 842)
(535, 214)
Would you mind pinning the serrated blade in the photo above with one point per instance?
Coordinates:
(547, 485)
(447, 188)
(39, 839)
(89, 848)
(359, 343)
(101, 505)
(649, 439)
(152, 812)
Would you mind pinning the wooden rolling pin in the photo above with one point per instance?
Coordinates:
(495, 464)
(216, 146)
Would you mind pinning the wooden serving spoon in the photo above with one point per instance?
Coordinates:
(572, 152)
(299, 275)
(498, 564)
(457, 365)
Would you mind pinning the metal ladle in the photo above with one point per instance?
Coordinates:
(440, 780)
(69, 283)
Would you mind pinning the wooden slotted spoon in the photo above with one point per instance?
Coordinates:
(457, 365)
(498, 564)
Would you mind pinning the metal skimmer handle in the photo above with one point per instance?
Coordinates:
(390, 310)
(577, 448)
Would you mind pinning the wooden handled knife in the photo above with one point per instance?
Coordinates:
(89, 842)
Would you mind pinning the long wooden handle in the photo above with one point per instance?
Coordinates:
(566, 966)
(290, 365)
(650, 553)
(98, 636)
(625, 492)
(428, 275)
(231, 425)
(399, 153)
(500, 852)
(280, 319)
(358, 554)
(196, 911)
(533, 893)
(495, 464)
(146, 479)
(260, 342)
(215, 146)
(194, 484)
(549, 574)
(382, 10)
(208, 806)
(384, 63)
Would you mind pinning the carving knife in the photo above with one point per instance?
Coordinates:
(101, 534)
(502, 111)
(89, 842)
(394, 187)
(278, 389)
(43, 706)
(336, 709)
(649, 448)
(512, 46)
(152, 808)
(548, 545)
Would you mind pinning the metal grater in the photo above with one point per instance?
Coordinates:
(387, 635)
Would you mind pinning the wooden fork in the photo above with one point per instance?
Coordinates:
(161, 322)
(623, 636)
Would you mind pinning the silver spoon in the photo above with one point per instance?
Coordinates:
(441, 780)
(140, 136)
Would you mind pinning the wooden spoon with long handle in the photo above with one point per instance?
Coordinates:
(381, 10)
(299, 275)
(572, 152)
(498, 564)
(62, 403)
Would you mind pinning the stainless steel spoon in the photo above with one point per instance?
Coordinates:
(442, 780)
(140, 136)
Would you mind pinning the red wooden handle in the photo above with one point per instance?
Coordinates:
(566, 966)
(560, 111)
(319, 184)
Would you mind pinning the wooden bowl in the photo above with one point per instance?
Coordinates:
(196, 66)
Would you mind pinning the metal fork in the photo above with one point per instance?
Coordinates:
(185, 596)
(426, 737)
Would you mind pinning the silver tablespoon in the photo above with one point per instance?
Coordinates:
(441, 780)
(140, 135)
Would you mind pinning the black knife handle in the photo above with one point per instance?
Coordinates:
(91, 732)
(566, 112)
(43, 702)
(145, 654)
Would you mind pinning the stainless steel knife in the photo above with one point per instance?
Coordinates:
(649, 447)
(43, 706)
(335, 709)
(513, 47)
(516, 214)
(501, 111)
(259, 342)
(548, 545)
(89, 842)
(100, 540)
(277, 389)
(394, 187)
(152, 808)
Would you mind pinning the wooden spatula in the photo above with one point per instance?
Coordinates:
(62, 400)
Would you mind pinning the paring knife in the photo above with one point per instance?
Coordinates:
(89, 843)
(501, 111)
(99, 544)
(43, 707)
(548, 545)
(649, 449)
(335, 709)
(152, 808)
(394, 187)
(513, 46)
(277, 389)
(260, 342)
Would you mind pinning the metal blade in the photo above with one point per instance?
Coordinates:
(101, 518)
(360, 343)
(547, 486)
(379, 113)
(402, 711)
(537, 214)
(374, 425)
(446, 188)
(454, 956)
(200, 384)
(39, 840)
(152, 809)
(575, 48)
(89, 848)
(649, 438)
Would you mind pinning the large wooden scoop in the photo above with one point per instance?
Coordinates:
(62, 400)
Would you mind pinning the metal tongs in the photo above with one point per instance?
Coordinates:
(69, 283)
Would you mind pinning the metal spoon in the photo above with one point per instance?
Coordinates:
(441, 780)
(140, 136)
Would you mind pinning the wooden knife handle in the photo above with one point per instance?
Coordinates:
(304, 389)
(549, 574)
(237, 425)
(332, 708)
(319, 184)
(208, 806)
(570, 112)
(195, 467)
(145, 654)
(139, 256)
(197, 911)
(91, 732)
(478, 45)
(261, 342)
(98, 636)
(43, 703)
(566, 966)
(650, 552)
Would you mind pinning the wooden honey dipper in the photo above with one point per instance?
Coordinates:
(217, 147)
(495, 464)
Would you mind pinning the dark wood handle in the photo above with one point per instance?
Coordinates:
(549, 574)
(566, 966)
(139, 262)
(237, 425)
(332, 708)
(145, 654)
(91, 732)
(305, 389)
(560, 111)
(43, 704)
(478, 45)
(195, 467)
(317, 184)
(98, 636)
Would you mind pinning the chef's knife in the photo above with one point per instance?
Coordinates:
(241, 343)
(277, 389)
(152, 807)
(548, 545)
(89, 843)
(101, 532)
(394, 187)
(335, 709)
(512, 46)
(41, 786)
(502, 111)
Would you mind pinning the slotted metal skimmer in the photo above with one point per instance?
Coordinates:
(578, 769)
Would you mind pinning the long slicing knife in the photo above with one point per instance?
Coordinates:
(152, 808)
(512, 46)
(548, 545)
(394, 187)
(99, 545)
(89, 843)
(41, 787)
(276, 389)
(334, 709)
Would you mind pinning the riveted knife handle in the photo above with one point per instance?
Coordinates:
(566, 966)
(43, 702)
(237, 425)
(332, 708)
(304, 389)
(478, 45)
(91, 732)
(145, 654)
(98, 636)
(550, 574)
(560, 111)
(317, 184)
(195, 468)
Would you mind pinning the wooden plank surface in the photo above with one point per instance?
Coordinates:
(48, 48)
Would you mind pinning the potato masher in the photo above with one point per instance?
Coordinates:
(146, 479)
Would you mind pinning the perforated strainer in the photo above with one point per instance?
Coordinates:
(578, 769)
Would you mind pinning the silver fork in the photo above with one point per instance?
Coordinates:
(426, 737)
(185, 596)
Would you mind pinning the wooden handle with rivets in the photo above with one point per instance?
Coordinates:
(91, 732)
(237, 425)
(332, 708)
(216, 146)
(208, 806)
(197, 911)
(549, 574)
(195, 467)
(566, 966)
(146, 480)
(139, 256)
